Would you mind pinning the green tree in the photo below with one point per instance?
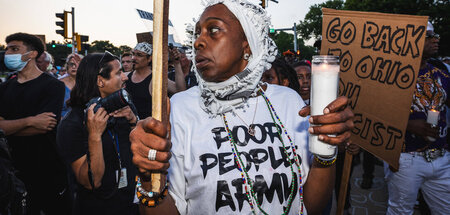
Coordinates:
(311, 26)
(284, 41)
(124, 48)
(437, 10)
(306, 52)
(104, 45)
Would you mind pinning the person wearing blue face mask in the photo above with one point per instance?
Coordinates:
(30, 109)
(15, 62)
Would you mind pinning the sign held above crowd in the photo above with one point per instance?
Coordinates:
(380, 58)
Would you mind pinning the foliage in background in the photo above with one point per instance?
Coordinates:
(437, 10)
(285, 41)
(61, 51)
(311, 26)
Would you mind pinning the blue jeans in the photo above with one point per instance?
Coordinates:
(414, 173)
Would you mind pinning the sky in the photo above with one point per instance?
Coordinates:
(117, 20)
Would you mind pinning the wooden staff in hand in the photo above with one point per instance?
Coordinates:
(350, 150)
(159, 89)
(152, 186)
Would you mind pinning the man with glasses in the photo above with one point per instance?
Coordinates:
(425, 160)
(30, 109)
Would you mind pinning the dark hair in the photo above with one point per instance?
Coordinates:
(86, 80)
(301, 63)
(126, 54)
(32, 42)
(284, 71)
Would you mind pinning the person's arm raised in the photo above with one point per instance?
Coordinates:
(337, 119)
(179, 84)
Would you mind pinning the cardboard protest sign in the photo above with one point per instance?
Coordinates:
(380, 58)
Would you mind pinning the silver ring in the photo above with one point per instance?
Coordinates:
(151, 154)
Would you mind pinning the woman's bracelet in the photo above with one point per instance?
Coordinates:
(326, 161)
(148, 198)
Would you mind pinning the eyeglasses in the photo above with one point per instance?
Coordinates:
(101, 59)
(433, 35)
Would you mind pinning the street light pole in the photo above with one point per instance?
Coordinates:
(295, 37)
(73, 30)
(294, 28)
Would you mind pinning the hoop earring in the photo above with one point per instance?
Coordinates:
(246, 56)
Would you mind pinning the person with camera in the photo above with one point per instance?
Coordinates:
(94, 138)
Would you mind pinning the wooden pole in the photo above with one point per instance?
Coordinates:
(344, 183)
(159, 79)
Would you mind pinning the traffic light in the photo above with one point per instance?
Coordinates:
(63, 24)
(298, 52)
(53, 44)
(272, 30)
(263, 3)
(80, 42)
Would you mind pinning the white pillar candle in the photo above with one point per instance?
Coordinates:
(324, 90)
(433, 118)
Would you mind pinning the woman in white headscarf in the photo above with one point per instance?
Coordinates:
(238, 146)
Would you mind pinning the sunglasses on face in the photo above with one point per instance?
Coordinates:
(104, 54)
(433, 35)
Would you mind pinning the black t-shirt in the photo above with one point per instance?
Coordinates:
(140, 95)
(72, 138)
(35, 157)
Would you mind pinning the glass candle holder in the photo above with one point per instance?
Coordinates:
(324, 89)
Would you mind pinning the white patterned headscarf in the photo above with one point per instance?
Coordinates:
(219, 98)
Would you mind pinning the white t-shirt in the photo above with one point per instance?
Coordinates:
(203, 175)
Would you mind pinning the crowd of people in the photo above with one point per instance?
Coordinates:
(84, 142)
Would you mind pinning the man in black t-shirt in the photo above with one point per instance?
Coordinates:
(139, 85)
(30, 107)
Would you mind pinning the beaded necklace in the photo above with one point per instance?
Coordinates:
(250, 193)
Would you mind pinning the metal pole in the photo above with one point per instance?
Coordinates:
(295, 37)
(73, 30)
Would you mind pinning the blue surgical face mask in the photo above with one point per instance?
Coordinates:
(14, 61)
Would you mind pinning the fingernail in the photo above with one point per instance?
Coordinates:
(320, 137)
(326, 111)
(311, 130)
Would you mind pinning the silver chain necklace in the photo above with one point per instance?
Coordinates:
(251, 127)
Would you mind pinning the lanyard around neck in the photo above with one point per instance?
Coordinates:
(115, 140)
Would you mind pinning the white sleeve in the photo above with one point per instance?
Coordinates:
(177, 188)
